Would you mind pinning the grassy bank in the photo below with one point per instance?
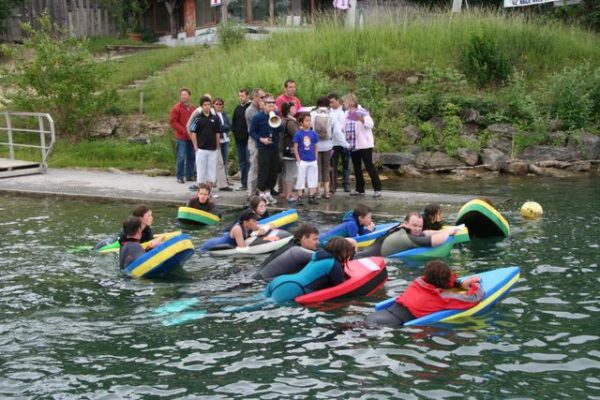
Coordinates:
(551, 61)
(322, 59)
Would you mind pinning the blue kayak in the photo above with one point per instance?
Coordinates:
(496, 284)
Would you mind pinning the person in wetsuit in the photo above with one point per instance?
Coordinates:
(131, 248)
(326, 269)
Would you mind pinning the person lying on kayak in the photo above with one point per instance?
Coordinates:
(326, 269)
(292, 257)
(247, 223)
(428, 294)
(131, 249)
(357, 223)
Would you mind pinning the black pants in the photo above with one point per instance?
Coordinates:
(365, 156)
(269, 166)
(393, 316)
(343, 155)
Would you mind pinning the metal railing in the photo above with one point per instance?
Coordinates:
(45, 127)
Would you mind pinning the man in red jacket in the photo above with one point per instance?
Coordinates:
(428, 294)
(180, 114)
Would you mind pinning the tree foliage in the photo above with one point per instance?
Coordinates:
(56, 73)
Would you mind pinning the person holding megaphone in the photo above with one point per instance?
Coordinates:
(265, 129)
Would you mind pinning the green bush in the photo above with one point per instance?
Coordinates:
(483, 61)
(521, 108)
(60, 77)
(230, 34)
(569, 98)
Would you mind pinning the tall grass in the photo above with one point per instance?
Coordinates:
(409, 42)
(145, 63)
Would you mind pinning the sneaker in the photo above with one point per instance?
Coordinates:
(292, 199)
(190, 179)
(226, 189)
(242, 188)
(299, 201)
(355, 193)
(377, 195)
(313, 200)
(194, 188)
(180, 180)
(346, 188)
(270, 199)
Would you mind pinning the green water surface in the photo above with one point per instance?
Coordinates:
(73, 327)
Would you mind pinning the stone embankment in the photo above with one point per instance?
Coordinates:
(562, 155)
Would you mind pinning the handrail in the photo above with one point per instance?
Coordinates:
(11, 130)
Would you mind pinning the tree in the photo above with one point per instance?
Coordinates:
(56, 73)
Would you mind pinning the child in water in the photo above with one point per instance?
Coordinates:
(428, 294)
(357, 223)
(144, 213)
(432, 217)
(131, 248)
(326, 269)
(201, 200)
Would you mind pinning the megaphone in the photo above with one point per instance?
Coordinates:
(274, 120)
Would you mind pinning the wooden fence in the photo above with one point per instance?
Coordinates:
(82, 17)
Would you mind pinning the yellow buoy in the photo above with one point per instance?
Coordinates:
(531, 209)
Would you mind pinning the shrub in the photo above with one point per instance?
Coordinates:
(230, 34)
(60, 77)
(483, 61)
(569, 97)
(521, 108)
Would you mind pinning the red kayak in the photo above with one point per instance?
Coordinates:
(365, 276)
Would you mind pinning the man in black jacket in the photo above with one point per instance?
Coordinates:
(239, 128)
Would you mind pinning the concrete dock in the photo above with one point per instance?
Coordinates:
(122, 186)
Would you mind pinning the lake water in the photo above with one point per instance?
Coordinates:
(73, 327)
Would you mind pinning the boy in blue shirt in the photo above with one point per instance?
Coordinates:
(306, 151)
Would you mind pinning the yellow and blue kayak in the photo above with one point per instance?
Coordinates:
(115, 246)
(496, 284)
(282, 219)
(194, 216)
(482, 220)
(172, 253)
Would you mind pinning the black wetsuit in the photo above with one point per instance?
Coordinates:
(130, 251)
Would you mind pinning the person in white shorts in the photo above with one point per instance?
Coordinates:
(204, 130)
(305, 150)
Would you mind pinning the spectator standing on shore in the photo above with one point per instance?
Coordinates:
(286, 147)
(252, 110)
(358, 126)
(267, 143)
(321, 122)
(218, 104)
(204, 130)
(180, 114)
(239, 127)
(288, 95)
(361, 8)
(341, 148)
(306, 151)
(340, 11)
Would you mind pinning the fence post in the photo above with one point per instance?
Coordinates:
(42, 141)
(11, 148)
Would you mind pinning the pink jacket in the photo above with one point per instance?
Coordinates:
(364, 133)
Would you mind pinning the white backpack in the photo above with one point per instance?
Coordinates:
(322, 124)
